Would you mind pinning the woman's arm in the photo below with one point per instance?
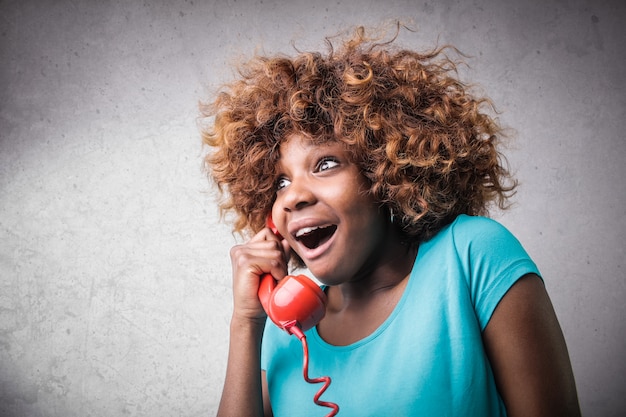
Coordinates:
(527, 352)
(242, 395)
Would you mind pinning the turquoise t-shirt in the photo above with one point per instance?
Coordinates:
(427, 358)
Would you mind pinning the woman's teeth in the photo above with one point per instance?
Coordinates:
(305, 230)
(313, 237)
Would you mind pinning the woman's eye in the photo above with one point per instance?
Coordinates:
(327, 163)
(282, 183)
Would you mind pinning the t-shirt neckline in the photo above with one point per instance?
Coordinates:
(315, 336)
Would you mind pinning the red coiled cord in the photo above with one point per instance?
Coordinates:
(293, 328)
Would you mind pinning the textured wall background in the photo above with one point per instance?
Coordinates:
(114, 270)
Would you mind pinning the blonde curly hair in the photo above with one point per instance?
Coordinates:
(426, 144)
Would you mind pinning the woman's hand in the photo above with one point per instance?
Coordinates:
(243, 392)
(264, 253)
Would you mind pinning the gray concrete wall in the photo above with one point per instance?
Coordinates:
(114, 270)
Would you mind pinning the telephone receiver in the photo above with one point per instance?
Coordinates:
(295, 300)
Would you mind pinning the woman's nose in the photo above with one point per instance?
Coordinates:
(297, 195)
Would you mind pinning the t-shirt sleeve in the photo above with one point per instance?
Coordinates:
(494, 260)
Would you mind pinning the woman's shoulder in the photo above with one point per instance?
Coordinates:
(478, 233)
(476, 227)
(465, 221)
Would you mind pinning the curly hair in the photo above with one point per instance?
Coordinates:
(426, 144)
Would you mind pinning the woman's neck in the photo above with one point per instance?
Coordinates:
(356, 309)
(383, 274)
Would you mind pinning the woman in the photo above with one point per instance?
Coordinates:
(378, 167)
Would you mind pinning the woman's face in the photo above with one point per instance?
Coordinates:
(324, 211)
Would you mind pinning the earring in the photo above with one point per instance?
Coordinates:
(391, 216)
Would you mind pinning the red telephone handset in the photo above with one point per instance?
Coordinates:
(296, 304)
(295, 300)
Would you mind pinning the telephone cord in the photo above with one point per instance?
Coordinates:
(295, 330)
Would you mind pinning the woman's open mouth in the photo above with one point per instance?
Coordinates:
(313, 237)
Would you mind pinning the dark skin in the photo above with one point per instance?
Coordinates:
(528, 354)
(367, 264)
(354, 312)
